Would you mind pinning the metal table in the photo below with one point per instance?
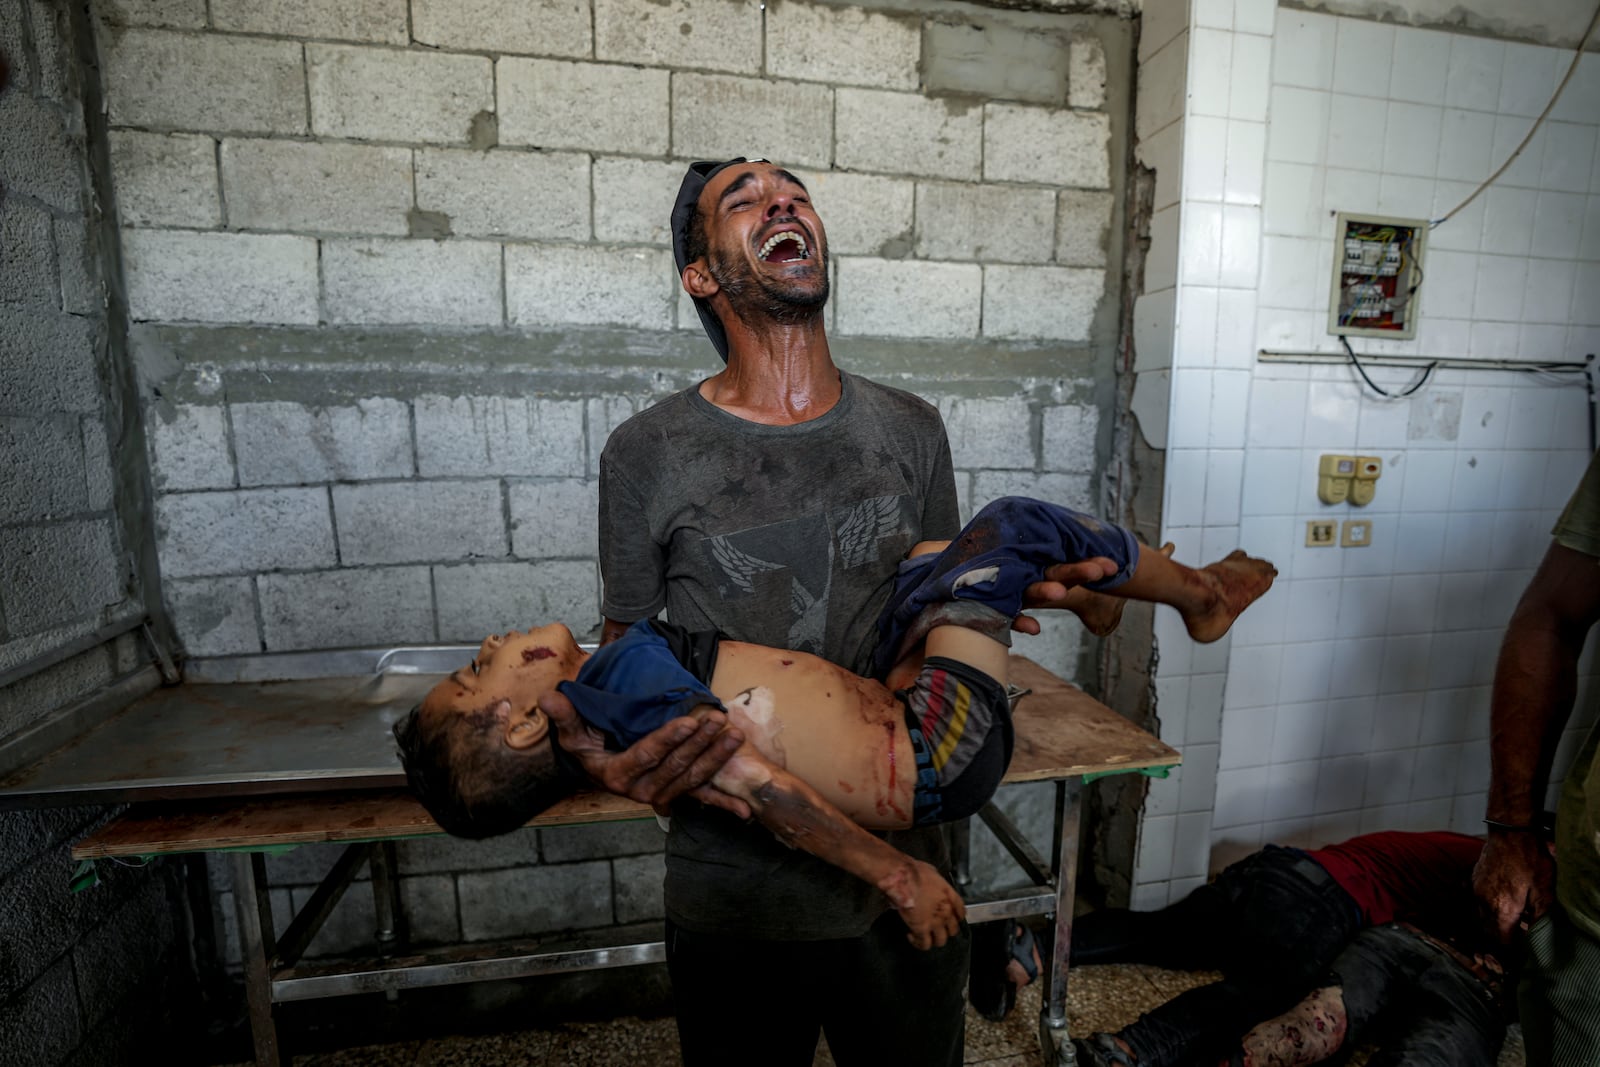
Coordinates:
(208, 764)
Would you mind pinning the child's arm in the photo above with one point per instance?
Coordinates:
(802, 818)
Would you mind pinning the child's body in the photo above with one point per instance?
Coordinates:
(826, 752)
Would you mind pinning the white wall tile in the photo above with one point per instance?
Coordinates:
(1205, 708)
(1200, 246)
(1210, 66)
(1405, 195)
(1246, 162)
(1473, 80)
(1412, 602)
(1405, 663)
(1509, 130)
(1501, 280)
(1241, 796)
(1250, 86)
(1252, 683)
(1527, 79)
(1569, 155)
(1421, 65)
(1205, 149)
(1363, 606)
(1485, 416)
(1155, 846)
(1508, 220)
(1558, 225)
(1356, 126)
(1303, 49)
(1292, 200)
(1297, 129)
(1341, 783)
(1346, 190)
(1580, 102)
(1363, 57)
(1411, 139)
(1348, 728)
(1236, 318)
(1199, 789)
(1277, 413)
(1494, 340)
(1254, 16)
(1548, 295)
(1291, 790)
(1289, 275)
(1196, 325)
(1241, 246)
(1306, 672)
(1188, 426)
(1466, 139)
(1186, 487)
(1224, 473)
(1191, 850)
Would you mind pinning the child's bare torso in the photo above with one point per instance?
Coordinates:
(844, 734)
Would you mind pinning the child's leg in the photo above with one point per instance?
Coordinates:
(1209, 598)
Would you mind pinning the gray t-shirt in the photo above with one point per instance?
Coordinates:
(786, 536)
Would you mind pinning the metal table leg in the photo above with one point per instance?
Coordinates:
(256, 949)
(960, 838)
(386, 903)
(1053, 1037)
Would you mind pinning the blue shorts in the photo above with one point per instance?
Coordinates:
(1015, 538)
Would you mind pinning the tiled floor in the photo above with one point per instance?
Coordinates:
(1101, 998)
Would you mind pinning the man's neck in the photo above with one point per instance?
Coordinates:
(779, 375)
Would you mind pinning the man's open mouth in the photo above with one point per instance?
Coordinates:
(784, 247)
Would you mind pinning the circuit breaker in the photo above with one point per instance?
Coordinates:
(1377, 276)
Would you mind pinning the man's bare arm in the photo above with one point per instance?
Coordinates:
(611, 629)
(672, 761)
(1535, 681)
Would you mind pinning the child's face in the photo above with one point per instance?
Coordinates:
(517, 668)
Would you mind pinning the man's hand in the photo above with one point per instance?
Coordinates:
(676, 760)
(1056, 591)
(1514, 881)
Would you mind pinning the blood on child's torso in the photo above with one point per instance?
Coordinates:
(843, 734)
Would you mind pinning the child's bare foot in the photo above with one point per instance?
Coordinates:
(1235, 582)
(1101, 613)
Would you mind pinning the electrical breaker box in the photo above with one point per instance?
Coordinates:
(1377, 276)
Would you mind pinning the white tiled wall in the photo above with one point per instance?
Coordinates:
(1355, 695)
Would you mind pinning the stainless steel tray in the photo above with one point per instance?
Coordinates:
(246, 725)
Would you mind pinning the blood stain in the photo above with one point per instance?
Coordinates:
(531, 654)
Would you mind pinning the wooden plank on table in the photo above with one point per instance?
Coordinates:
(1061, 732)
(268, 822)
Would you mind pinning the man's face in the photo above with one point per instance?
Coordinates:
(516, 667)
(765, 244)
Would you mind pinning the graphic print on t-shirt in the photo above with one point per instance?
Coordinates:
(746, 563)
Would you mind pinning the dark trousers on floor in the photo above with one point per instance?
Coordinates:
(1272, 923)
(879, 1000)
(1416, 1002)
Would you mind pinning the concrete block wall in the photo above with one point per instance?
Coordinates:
(395, 274)
(85, 978)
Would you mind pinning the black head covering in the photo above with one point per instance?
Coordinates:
(688, 196)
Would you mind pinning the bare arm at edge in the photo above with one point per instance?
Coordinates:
(1535, 681)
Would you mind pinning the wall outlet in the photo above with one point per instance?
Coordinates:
(1365, 486)
(1334, 474)
(1322, 533)
(1357, 533)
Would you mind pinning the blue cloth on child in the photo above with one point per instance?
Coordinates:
(635, 685)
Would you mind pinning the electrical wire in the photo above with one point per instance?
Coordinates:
(1512, 158)
(1427, 372)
